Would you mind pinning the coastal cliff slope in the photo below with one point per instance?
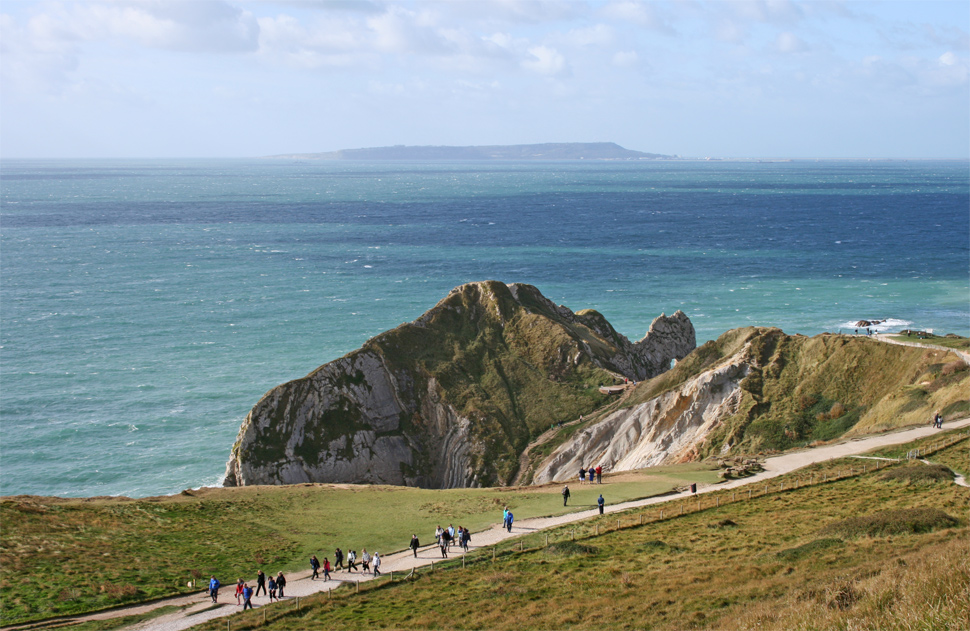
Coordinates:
(448, 400)
(757, 390)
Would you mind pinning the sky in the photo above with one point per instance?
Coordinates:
(237, 78)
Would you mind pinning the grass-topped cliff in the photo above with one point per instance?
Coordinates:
(450, 399)
(800, 389)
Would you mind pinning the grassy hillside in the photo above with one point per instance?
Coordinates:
(801, 390)
(870, 551)
(61, 556)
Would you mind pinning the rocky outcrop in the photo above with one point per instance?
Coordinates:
(663, 430)
(757, 390)
(450, 399)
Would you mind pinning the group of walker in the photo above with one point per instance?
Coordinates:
(598, 472)
(368, 563)
(245, 593)
(445, 537)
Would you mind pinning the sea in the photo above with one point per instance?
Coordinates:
(147, 305)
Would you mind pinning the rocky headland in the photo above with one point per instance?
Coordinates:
(758, 390)
(451, 399)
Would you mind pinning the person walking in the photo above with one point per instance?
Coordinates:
(280, 584)
(565, 494)
(508, 521)
(247, 597)
(437, 534)
(338, 559)
(364, 560)
(260, 582)
(376, 563)
(466, 537)
(451, 535)
(326, 569)
(351, 561)
(315, 566)
(414, 545)
(600, 502)
(443, 545)
(239, 592)
(214, 588)
(272, 589)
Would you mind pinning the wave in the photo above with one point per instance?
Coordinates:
(889, 324)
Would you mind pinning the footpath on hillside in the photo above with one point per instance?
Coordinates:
(197, 608)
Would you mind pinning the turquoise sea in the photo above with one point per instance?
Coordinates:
(145, 306)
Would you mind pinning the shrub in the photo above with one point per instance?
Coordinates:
(919, 473)
(892, 522)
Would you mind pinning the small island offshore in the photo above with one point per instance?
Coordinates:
(500, 447)
(545, 151)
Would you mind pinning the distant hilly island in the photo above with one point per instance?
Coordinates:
(546, 151)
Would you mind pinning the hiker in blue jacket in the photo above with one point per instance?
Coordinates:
(600, 501)
(214, 588)
(508, 521)
(247, 594)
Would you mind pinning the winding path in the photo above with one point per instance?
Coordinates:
(195, 609)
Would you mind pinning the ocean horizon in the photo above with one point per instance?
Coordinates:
(146, 305)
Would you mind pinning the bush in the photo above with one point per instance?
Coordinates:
(892, 522)
(919, 474)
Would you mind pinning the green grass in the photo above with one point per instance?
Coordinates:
(744, 564)
(957, 342)
(62, 556)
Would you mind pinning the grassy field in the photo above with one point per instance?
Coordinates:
(870, 551)
(959, 343)
(61, 556)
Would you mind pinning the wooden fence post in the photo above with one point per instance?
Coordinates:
(661, 514)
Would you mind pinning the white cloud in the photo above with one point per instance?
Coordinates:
(596, 35)
(545, 61)
(948, 59)
(790, 43)
(643, 14)
(625, 59)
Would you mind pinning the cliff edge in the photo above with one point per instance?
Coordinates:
(451, 399)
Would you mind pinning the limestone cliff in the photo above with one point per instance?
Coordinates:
(450, 399)
(756, 390)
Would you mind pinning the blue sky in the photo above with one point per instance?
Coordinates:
(166, 78)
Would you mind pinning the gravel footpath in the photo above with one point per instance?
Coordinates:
(197, 607)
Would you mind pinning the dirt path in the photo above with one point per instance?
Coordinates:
(196, 608)
(884, 337)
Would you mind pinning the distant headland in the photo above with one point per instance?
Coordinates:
(546, 151)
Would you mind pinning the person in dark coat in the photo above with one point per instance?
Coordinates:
(338, 559)
(315, 566)
(260, 582)
(414, 545)
(565, 494)
(280, 584)
(599, 502)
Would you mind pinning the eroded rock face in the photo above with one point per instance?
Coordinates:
(449, 400)
(663, 430)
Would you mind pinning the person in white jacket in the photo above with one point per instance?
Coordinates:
(376, 564)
